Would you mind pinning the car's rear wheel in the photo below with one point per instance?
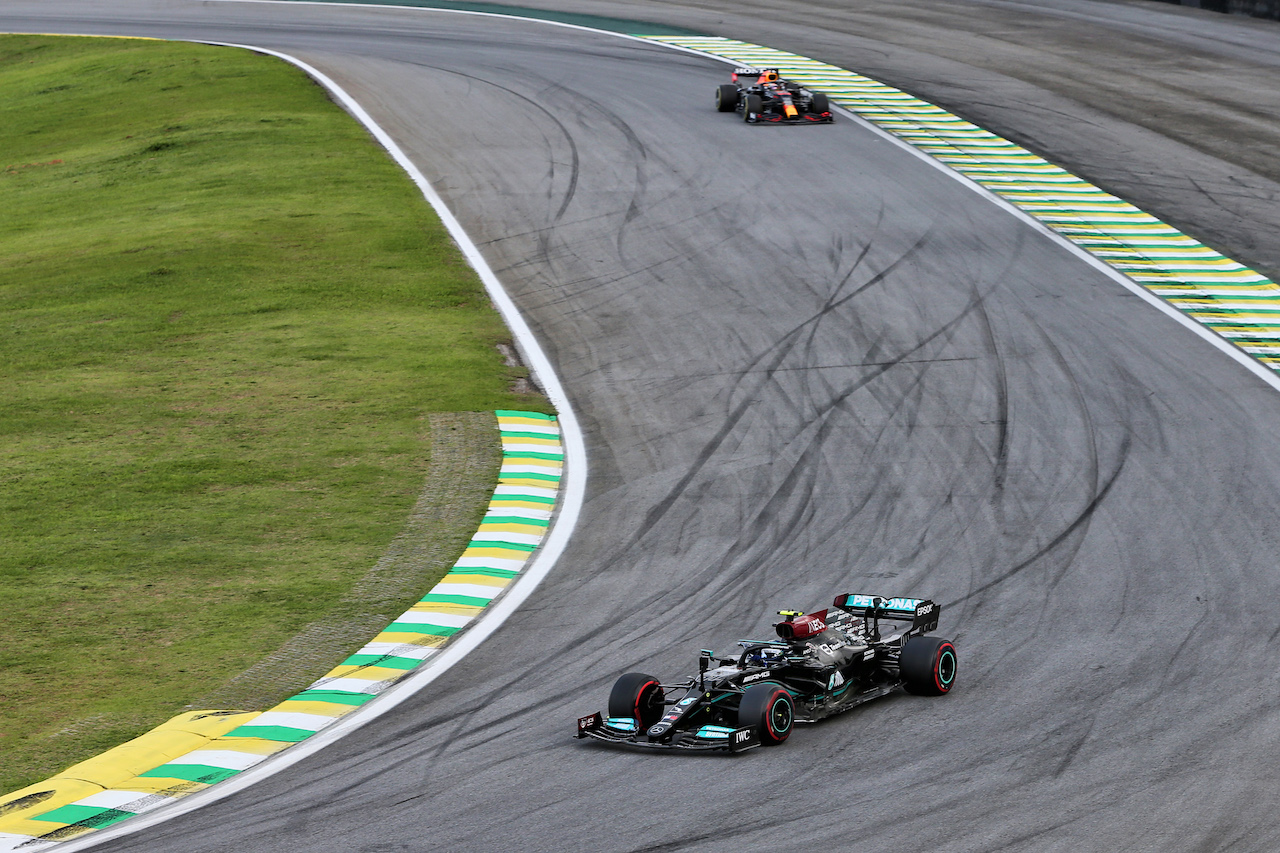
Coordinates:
(726, 97)
(820, 103)
(639, 696)
(928, 666)
(770, 709)
(753, 106)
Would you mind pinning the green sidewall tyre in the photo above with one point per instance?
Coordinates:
(770, 709)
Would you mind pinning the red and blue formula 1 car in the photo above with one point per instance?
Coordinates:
(821, 664)
(763, 96)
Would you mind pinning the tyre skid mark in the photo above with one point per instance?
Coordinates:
(1238, 304)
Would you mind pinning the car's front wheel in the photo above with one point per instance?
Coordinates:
(753, 106)
(726, 97)
(770, 709)
(639, 696)
(820, 104)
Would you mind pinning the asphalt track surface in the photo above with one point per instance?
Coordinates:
(806, 364)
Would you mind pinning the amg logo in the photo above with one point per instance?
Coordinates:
(756, 676)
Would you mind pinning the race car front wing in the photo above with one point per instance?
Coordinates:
(626, 731)
(801, 118)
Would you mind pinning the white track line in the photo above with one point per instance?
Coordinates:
(573, 488)
(1266, 374)
(574, 483)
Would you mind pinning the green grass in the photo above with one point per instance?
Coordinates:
(225, 316)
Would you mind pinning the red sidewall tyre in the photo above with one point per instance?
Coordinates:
(637, 695)
(770, 709)
(928, 666)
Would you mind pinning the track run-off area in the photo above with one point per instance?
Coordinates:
(806, 362)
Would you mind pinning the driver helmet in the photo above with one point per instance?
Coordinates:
(769, 76)
(764, 657)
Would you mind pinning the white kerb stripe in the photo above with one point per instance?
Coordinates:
(291, 720)
(506, 536)
(516, 492)
(549, 431)
(228, 759)
(424, 617)
(474, 590)
(489, 563)
(526, 468)
(129, 801)
(550, 449)
(401, 650)
(517, 512)
(352, 685)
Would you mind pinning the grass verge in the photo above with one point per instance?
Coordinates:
(227, 317)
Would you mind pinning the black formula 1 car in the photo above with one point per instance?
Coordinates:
(762, 96)
(821, 664)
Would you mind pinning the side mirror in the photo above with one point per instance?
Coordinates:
(704, 660)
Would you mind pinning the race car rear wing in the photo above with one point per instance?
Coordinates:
(752, 73)
(920, 612)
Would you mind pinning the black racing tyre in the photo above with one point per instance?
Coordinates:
(770, 709)
(754, 106)
(820, 103)
(726, 97)
(637, 695)
(928, 666)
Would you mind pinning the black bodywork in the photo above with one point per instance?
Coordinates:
(820, 664)
(762, 96)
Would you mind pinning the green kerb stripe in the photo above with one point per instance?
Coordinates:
(485, 570)
(508, 413)
(333, 696)
(469, 600)
(385, 660)
(540, 499)
(529, 454)
(94, 816)
(506, 546)
(525, 475)
(515, 519)
(191, 772)
(424, 629)
(283, 734)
